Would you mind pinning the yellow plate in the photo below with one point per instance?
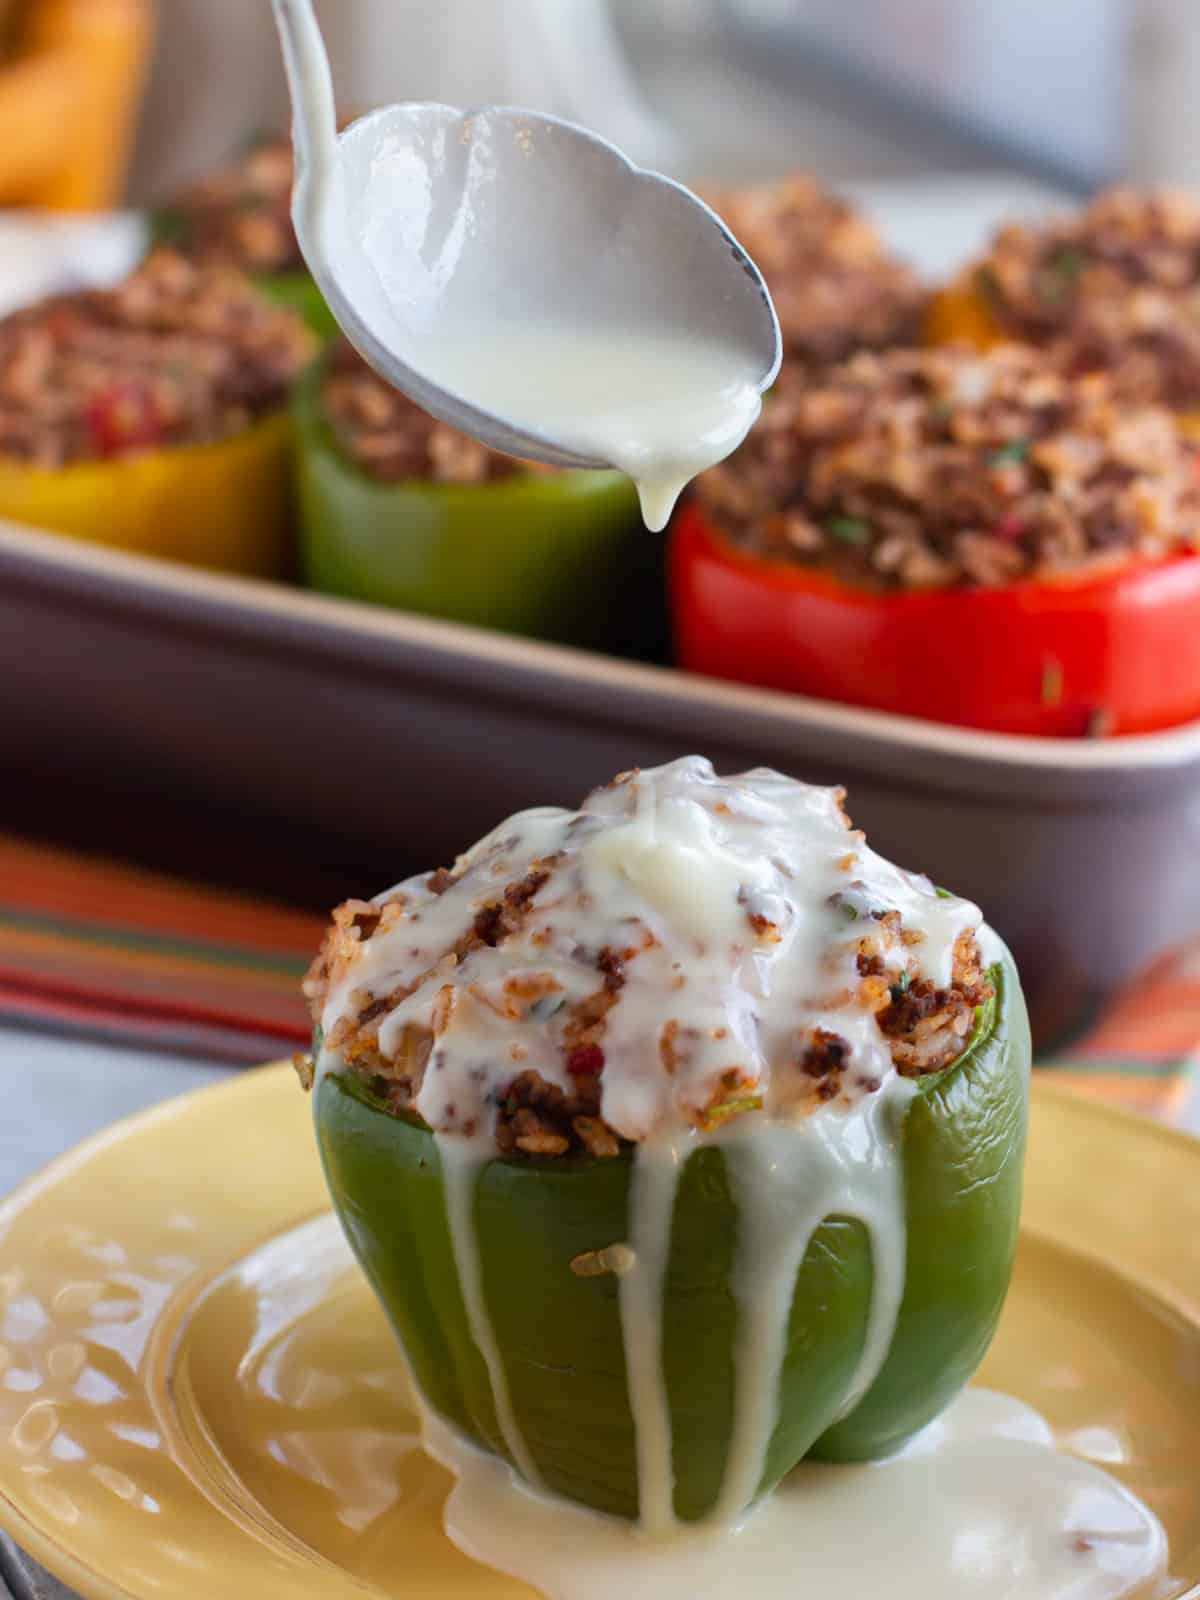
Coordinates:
(199, 1397)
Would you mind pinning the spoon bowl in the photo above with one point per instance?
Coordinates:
(438, 235)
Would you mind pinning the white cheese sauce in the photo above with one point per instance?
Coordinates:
(980, 1506)
(659, 406)
(655, 1180)
(786, 1181)
(461, 1160)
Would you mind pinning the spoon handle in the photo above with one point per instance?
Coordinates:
(314, 114)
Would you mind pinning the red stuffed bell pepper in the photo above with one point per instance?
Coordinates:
(971, 540)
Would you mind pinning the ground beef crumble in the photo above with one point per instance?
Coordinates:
(177, 354)
(926, 1026)
(392, 440)
(241, 215)
(835, 286)
(944, 467)
(1112, 288)
(540, 1119)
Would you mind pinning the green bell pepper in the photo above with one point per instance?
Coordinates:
(296, 291)
(962, 1143)
(562, 557)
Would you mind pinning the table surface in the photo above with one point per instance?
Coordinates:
(58, 1091)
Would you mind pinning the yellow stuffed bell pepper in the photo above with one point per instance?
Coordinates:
(151, 417)
(220, 505)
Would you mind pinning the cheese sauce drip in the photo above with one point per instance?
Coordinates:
(733, 911)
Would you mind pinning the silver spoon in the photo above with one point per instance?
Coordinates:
(423, 225)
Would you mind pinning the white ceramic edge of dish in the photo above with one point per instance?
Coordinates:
(144, 575)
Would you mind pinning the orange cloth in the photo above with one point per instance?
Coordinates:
(70, 90)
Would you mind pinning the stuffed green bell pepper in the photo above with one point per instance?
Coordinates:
(680, 1136)
(402, 510)
(240, 216)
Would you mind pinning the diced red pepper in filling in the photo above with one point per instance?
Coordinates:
(123, 417)
(586, 1061)
(1009, 527)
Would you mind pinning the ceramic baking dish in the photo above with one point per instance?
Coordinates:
(418, 735)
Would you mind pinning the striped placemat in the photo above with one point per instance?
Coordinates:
(99, 947)
(111, 950)
(1144, 1050)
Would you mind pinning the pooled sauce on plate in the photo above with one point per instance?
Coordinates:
(740, 887)
(980, 1506)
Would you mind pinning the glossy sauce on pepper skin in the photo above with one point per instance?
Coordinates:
(786, 1179)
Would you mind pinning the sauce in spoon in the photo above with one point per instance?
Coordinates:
(518, 278)
(660, 406)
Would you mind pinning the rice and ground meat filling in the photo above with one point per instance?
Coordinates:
(391, 439)
(177, 354)
(934, 468)
(241, 215)
(835, 286)
(557, 1010)
(1115, 288)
